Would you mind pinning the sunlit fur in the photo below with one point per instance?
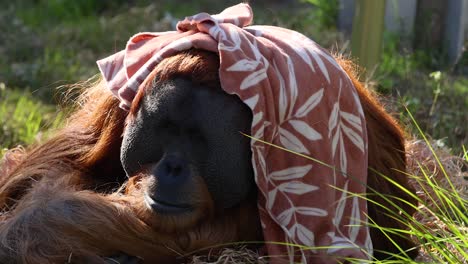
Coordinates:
(68, 199)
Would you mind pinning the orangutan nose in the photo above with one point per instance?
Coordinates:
(173, 185)
(172, 168)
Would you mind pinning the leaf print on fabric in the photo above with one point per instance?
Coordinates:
(343, 157)
(304, 235)
(244, 65)
(304, 129)
(336, 123)
(253, 79)
(340, 206)
(355, 220)
(314, 49)
(290, 173)
(310, 104)
(291, 142)
(368, 247)
(252, 101)
(217, 33)
(235, 37)
(311, 211)
(284, 218)
(271, 198)
(233, 43)
(321, 65)
(303, 256)
(357, 140)
(297, 187)
(357, 101)
(335, 139)
(353, 120)
(258, 56)
(290, 246)
(333, 121)
(255, 30)
(260, 160)
(338, 243)
(302, 52)
(292, 84)
(260, 131)
(255, 120)
(355, 123)
(283, 99)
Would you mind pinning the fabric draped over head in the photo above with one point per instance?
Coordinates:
(303, 102)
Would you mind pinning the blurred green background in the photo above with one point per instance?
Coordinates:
(48, 44)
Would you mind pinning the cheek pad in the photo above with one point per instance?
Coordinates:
(228, 174)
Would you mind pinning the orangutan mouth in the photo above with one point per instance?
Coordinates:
(164, 207)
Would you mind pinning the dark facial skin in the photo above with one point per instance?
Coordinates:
(183, 132)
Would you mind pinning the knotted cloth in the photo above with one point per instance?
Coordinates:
(302, 101)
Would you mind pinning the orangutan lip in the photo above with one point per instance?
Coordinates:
(164, 207)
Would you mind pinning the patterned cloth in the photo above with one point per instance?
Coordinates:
(302, 101)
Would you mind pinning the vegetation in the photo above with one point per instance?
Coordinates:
(435, 93)
(440, 225)
(51, 43)
(46, 44)
(25, 118)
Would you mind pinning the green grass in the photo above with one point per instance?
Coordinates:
(437, 94)
(26, 119)
(442, 225)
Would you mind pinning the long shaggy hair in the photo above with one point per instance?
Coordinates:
(68, 199)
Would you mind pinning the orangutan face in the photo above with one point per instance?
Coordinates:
(185, 139)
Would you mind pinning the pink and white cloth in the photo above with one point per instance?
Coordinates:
(301, 100)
